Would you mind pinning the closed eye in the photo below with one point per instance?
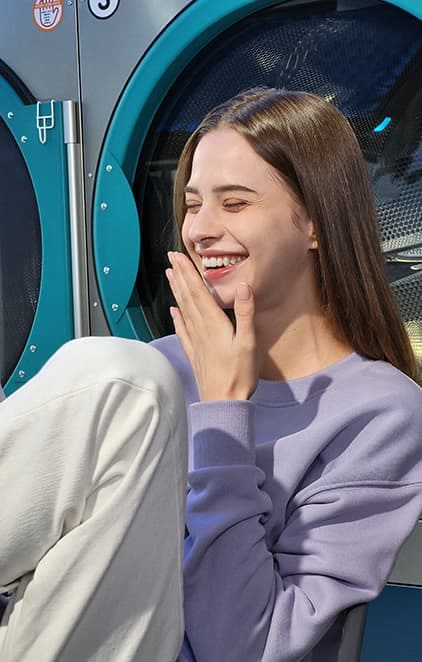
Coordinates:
(192, 207)
(234, 205)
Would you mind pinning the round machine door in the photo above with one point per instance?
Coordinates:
(35, 285)
(365, 57)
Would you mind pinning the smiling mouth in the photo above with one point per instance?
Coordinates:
(214, 268)
(221, 261)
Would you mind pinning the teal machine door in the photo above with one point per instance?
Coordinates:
(35, 311)
(41, 262)
(365, 57)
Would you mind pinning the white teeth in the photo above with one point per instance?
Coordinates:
(225, 261)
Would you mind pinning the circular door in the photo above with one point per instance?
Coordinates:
(366, 58)
(36, 312)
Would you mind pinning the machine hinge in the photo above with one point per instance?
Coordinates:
(70, 122)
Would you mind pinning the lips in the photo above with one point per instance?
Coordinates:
(216, 267)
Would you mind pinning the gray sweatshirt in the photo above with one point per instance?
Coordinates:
(299, 501)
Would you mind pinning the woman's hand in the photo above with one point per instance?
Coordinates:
(224, 360)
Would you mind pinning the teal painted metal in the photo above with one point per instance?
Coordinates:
(46, 163)
(412, 6)
(393, 626)
(117, 255)
(196, 26)
(166, 59)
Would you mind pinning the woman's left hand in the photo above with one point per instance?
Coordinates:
(224, 360)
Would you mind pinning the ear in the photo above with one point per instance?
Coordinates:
(313, 243)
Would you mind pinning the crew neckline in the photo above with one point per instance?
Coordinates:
(305, 388)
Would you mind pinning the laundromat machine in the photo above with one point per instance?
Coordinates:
(97, 98)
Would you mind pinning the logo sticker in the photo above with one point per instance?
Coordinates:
(47, 14)
(103, 8)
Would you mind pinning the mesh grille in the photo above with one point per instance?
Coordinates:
(366, 61)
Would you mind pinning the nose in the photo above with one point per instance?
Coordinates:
(204, 226)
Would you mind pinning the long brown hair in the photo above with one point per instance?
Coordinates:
(309, 142)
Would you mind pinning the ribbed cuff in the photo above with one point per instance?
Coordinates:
(223, 433)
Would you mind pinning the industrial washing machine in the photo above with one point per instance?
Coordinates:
(106, 92)
(143, 74)
(364, 56)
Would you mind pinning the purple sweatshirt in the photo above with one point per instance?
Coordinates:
(299, 501)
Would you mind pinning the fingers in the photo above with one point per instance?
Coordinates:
(244, 310)
(186, 319)
(224, 362)
(180, 288)
(181, 332)
(192, 296)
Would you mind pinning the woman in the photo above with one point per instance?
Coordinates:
(305, 424)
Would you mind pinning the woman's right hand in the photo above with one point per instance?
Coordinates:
(224, 360)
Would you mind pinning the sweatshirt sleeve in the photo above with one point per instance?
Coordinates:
(245, 601)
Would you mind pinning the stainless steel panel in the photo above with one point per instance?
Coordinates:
(46, 61)
(110, 49)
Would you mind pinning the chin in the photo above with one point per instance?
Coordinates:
(224, 299)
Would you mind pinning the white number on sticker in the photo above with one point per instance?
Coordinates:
(103, 8)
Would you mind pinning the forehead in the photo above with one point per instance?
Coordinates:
(224, 154)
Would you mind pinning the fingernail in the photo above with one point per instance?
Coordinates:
(169, 274)
(170, 257)
(243, 291)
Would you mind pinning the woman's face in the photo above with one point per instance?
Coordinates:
(243, 225)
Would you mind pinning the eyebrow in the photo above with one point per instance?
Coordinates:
(223, 189)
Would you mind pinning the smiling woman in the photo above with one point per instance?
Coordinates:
(241, 201)
(305, 460)
(302, 156)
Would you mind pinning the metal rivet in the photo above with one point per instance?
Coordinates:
(114, 306)
(33, 348)
(109, 168)
(69, 2)
(21, 374)
(10, 115)
(95, 304)
(24, 139)
(106, 270)
(103, 206)
(90, 175)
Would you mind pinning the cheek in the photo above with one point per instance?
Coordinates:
(188, 243)
(185, 236)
